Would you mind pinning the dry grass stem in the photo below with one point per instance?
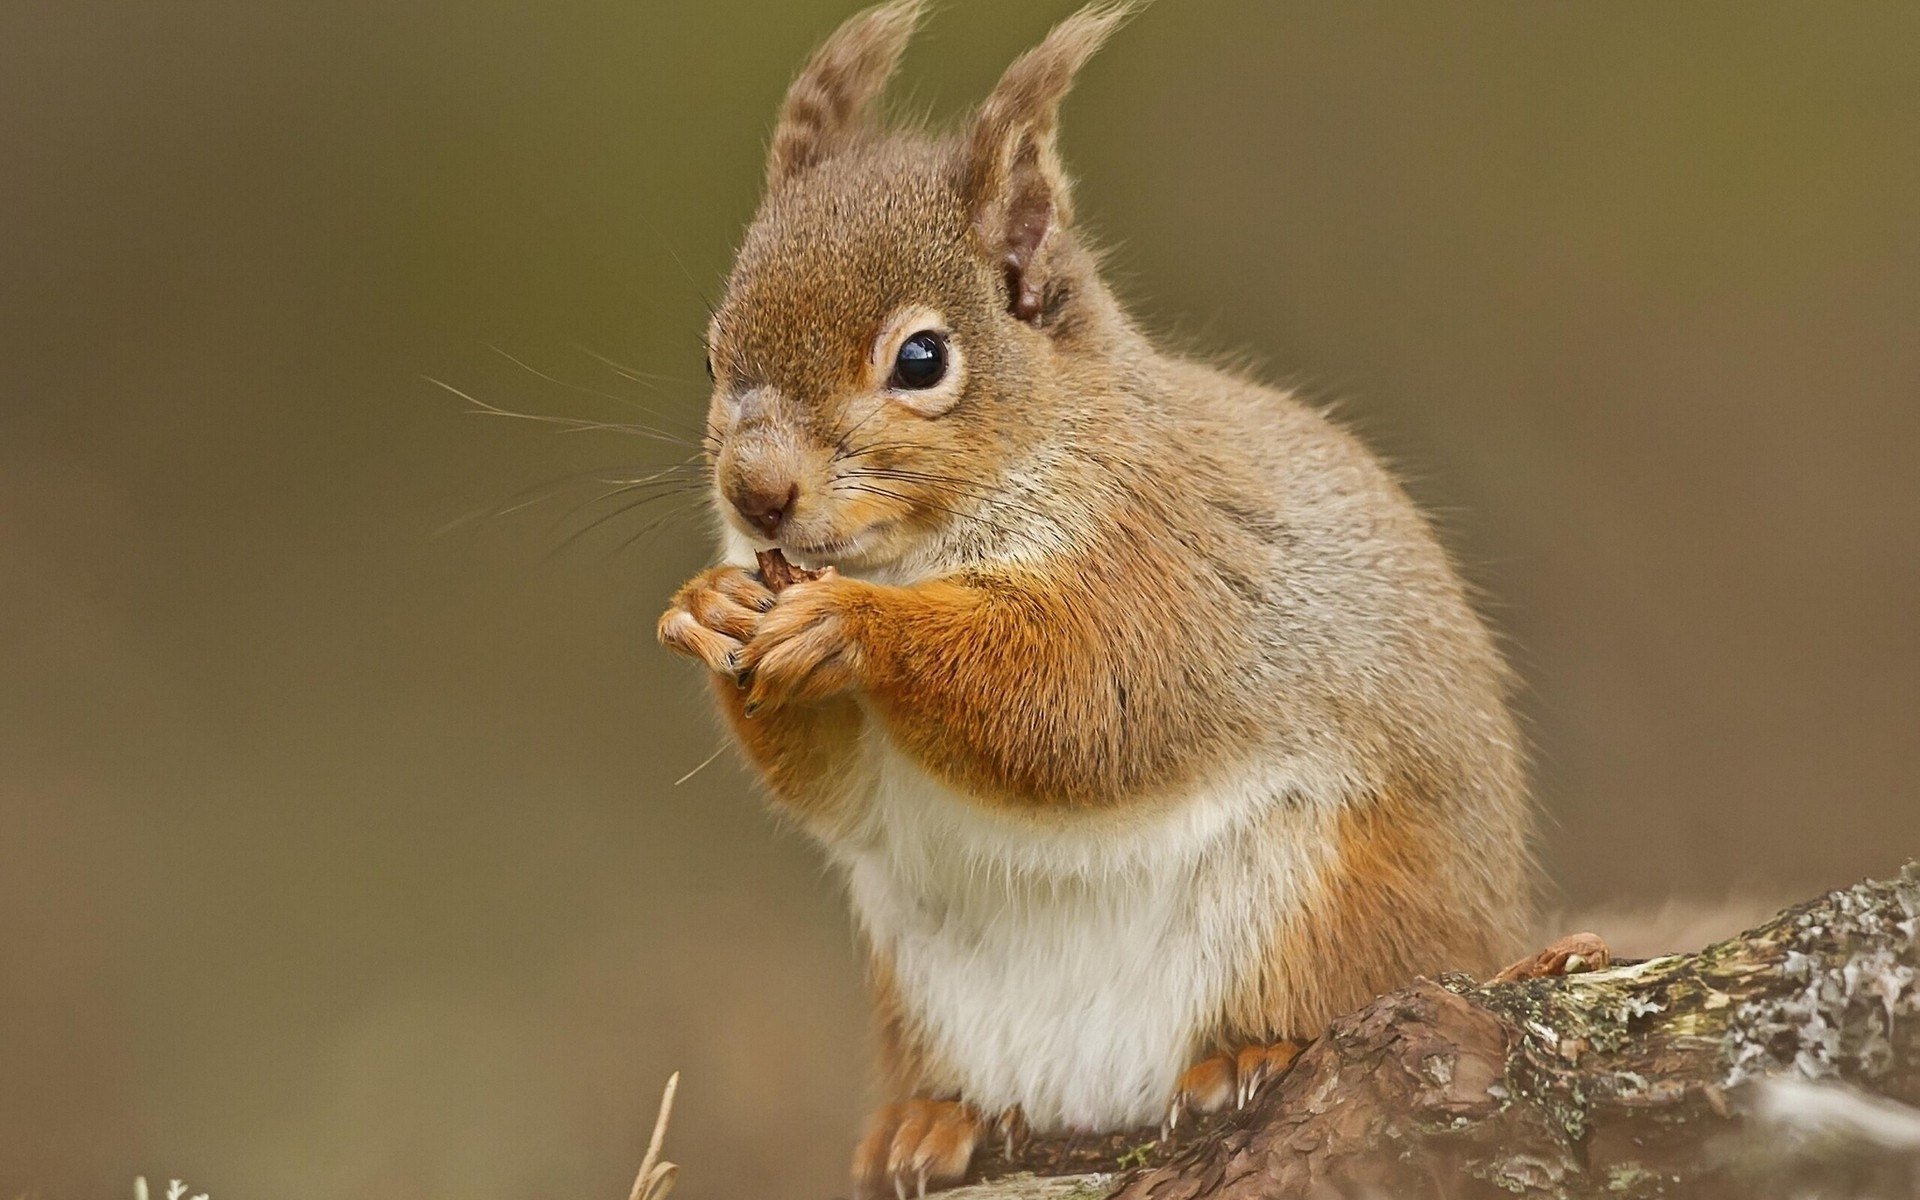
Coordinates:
(655, 1179)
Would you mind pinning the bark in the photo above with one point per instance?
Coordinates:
(1638, 1081)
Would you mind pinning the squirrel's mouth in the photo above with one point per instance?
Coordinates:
(834, 551)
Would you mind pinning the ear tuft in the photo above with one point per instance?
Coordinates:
(830, 103)
(1012, 178)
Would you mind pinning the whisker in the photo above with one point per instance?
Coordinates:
(873, 448)
(584, 390)
(648, 528)
(692, 468)
(602, 519)
(907, 473)
(570, 424)
(671, 487)
(704, 764)
(952, 512)
(966, 488)
(879, 406)
(644, 378)
(549, 489)
(655, 489)
(668, 247)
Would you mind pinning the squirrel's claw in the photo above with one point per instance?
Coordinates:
(1210, 1084)
(1256, 1064)
(915, 1147)
(680, 630)
(1012, 1128)
(801, 649)
(713, 616)
(1205, 1087)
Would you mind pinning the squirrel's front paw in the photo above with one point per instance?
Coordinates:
(914, 1147)
(712, 617)
(1209, 1085)
(803, 648)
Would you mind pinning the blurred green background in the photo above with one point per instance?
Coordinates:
(341, 859)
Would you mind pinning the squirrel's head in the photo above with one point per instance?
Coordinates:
(896, 302)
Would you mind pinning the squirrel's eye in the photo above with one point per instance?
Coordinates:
(921, 363)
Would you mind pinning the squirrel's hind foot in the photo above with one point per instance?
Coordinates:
(1211, 1084)
(914, 1147)
(1570, 955)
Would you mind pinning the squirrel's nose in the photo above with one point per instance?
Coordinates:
(765, 508)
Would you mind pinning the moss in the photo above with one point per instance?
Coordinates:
(1631, 1179)
(1038, 1187)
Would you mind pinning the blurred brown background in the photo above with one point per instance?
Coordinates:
(341, 859)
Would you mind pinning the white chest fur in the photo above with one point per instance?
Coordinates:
(1072, 966)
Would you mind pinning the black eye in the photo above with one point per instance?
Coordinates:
(921, 363)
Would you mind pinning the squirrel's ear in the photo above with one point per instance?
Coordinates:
(830, 104)
(1012, 178)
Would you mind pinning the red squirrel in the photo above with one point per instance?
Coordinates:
(1142, 712)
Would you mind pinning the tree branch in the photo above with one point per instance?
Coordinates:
(1639, 1081)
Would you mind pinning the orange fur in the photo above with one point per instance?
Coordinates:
(1387, 909)
(1024, 688)
(914, 1145)
(907, 1066)
(804, 753)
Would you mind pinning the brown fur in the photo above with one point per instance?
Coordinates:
(1099, 574)
(829, 106)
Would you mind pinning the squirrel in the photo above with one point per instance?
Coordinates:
(1144, 715)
